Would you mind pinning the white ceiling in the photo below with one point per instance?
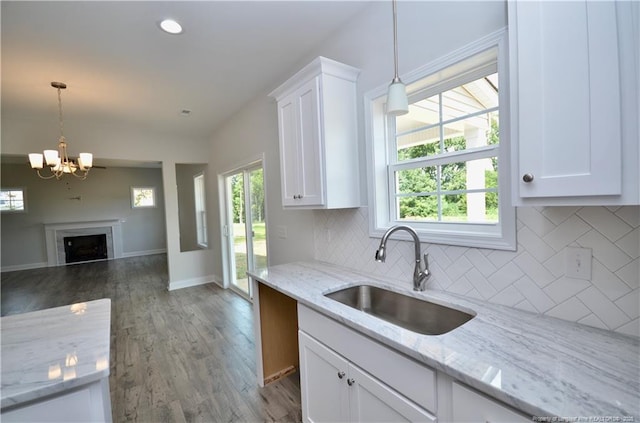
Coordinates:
(120, 67)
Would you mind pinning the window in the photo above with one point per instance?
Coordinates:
(201, 210)
(443, 167)
(12, 200)
(143, 197)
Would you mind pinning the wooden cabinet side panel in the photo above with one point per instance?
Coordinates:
(279, 333)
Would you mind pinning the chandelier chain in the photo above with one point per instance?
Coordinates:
(60, 114)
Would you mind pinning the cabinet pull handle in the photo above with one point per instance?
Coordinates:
(350, 381)
(341, 375)
(527, 177)
(295, 196)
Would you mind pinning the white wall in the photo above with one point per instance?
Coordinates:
(126, 142)
(532, 278)
(105, 195)
(249, 134)
(365, 43)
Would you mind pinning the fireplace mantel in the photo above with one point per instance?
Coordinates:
(55, 232)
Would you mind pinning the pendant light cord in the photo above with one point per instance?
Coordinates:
(395, 40)
(60, 114)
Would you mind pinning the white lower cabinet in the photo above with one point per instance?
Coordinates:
(89, 403)
(346, 376)
(373, 401)
(336, 390)
(469, 406)
(322, 382)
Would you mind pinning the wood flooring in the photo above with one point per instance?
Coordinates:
(182, 356)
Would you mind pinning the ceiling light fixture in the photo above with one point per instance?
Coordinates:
(58, 160)
(397, 102)
(171, 26)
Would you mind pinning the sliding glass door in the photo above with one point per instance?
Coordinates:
(246, 225)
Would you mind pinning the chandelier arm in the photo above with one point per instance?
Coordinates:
(53, 175)
(82, 176)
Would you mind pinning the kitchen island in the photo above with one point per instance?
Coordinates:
(540, 367)
(55, 364)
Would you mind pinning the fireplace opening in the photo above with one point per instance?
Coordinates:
(85, 248)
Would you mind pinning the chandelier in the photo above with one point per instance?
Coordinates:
(57, 160)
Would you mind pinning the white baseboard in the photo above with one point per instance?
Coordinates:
(186, 283)
(23, 267)
(144, 253)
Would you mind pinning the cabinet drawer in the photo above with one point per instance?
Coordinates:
(407, 376)
(469, 406)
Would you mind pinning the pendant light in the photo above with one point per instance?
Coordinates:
(57, 160)
(397, 102)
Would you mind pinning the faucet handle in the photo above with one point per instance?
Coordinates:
(426, 265)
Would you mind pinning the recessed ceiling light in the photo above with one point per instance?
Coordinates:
(171, 26)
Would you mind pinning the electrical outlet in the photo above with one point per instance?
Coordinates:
(578, 263)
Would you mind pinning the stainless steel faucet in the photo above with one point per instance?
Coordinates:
(420, 273)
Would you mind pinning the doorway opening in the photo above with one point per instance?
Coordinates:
(245, 227)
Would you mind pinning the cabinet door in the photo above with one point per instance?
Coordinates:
(289, 156)
(469, 406)
(373, 401)
(566, 87)
(311, 177)
(323, 375)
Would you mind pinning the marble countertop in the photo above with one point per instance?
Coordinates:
(540, 365)
(50, 351)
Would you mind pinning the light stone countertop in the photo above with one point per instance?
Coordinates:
(50, 351)
(540, 365)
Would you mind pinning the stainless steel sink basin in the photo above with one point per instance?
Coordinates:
(411, 313)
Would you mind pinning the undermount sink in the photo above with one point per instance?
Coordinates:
(411, 313)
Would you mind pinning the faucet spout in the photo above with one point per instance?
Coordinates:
(421, 271)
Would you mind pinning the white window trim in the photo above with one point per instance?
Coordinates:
(24, 200)
(133, 198)
(201, 224)
(502, 237)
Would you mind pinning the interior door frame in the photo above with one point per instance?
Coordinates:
(250, 163)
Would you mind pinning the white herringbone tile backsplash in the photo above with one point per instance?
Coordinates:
(531, 278)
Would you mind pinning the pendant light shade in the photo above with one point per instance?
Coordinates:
(397, 101)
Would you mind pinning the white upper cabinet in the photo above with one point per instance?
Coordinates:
(317, 121)
(574, 98)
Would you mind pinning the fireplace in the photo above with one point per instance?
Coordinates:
(57, 234)
(85, 248)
